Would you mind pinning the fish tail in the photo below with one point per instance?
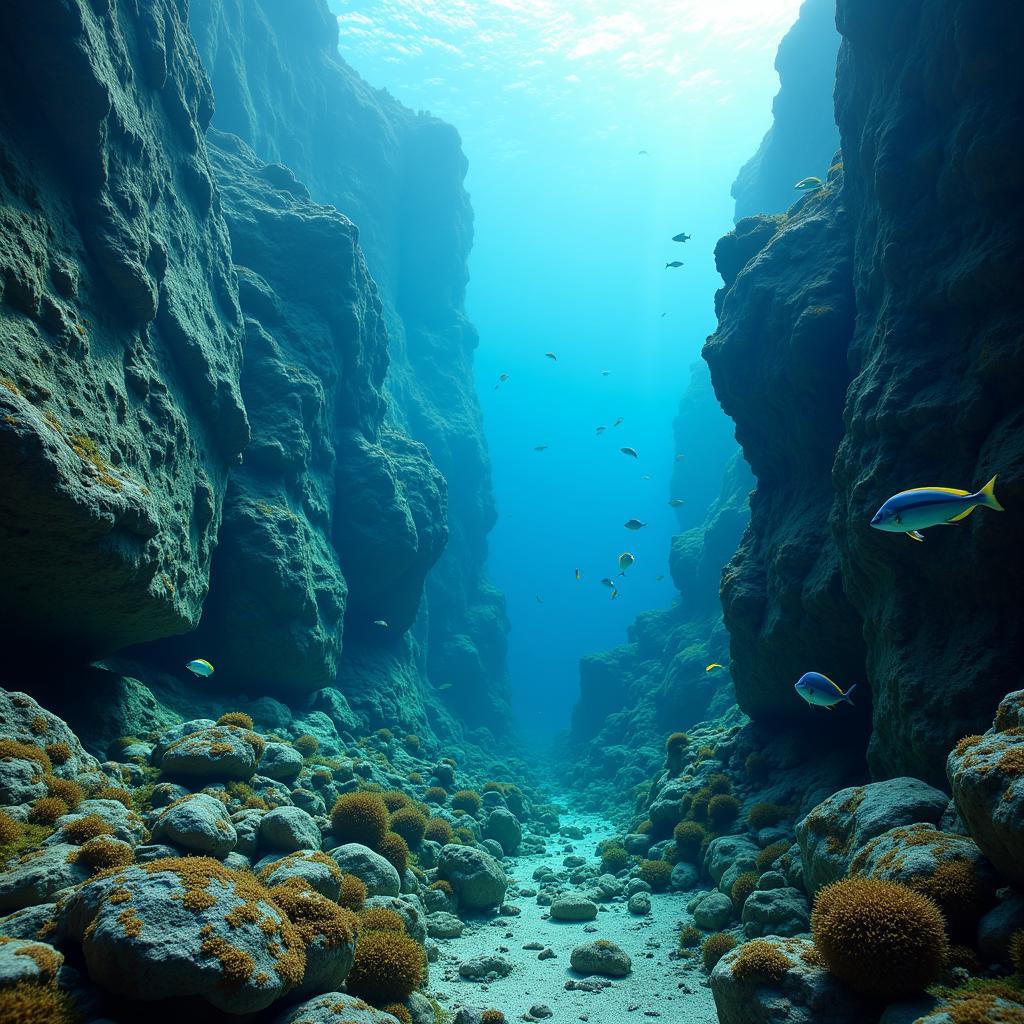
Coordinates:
(846, 696)
(988, 496)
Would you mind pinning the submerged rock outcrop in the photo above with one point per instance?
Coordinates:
(867, 345)
(120, 330)
(282, 87)
(803, 135)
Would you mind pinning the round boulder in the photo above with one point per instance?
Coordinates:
(186, 927)
(503, 827)
(289, 828)
(222, 752)
(601, 957)
(477, 878)
(198, 823)
(377, 874)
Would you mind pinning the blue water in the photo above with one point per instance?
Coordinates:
(554, 102)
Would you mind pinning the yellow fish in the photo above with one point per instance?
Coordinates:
(713, 664)
(200, 667)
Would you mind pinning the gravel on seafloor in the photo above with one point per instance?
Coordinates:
(660, 985)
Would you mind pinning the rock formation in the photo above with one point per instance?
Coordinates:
(282, 87)
(803, 135)
(866, 345)
(120, 345)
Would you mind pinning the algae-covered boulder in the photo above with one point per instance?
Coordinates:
(199, 824)
(378, 875)
(25, 960)
(601, 957)
(477, 878)
(781, 911)
(775, 979)
(316, 869)
(834, 832)
(218, 752)
(186, 927)
(37, 876)
(281, 761)
(503, 827)
(986, 774)
(948, 868)
(334, 1008)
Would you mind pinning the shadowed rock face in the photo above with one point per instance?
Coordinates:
(331, 522)
(803, 135)
(282, 87)
(778, 363)
(930, 104)
(120, 330)
(870, 345)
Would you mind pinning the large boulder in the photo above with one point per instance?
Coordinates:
(726, 853)
(572, 907)
(25, 960)
(199, 824)
(986, 774)
(949, 868)
(477, 878)
(377, 874)
(333, 1008)
(832, 834)
(37, 876)
(779, 979)
(316, 869)
(503, 827)
(217, 752)
(186, 927)
(783, 911)
(290, 829)
(601, 957)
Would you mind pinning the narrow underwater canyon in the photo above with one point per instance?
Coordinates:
(241, 432)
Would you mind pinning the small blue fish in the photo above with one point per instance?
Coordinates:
(915, 510)
(819, 690)
(200, 667)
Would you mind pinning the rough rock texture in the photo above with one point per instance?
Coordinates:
(282, 87)
(836, 830)
(332, 522)
(120, 332)
(477, 878)
(803, 135)
(779, 357)
(875, 330)
(805, 993)
(936, 361)
(986, 774)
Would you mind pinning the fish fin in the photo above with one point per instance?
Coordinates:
(988, 496)
(827, 707)
(914, 535)
(956, 520)
(846, 696)
(836, 686)
(942, 490)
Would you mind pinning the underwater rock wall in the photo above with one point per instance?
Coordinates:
(332, 521)
(778, 364)
(120, 331)
(281, 86)
(930, 104)
(869, 342)
(803, 135)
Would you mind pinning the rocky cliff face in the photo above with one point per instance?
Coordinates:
(931, 111)
(803, 135)
(868, 344)
(282, 88)
(333, 520)
(120, 331)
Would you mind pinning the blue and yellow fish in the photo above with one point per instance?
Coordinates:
(200, 667)
(820, 691)
(915, 510)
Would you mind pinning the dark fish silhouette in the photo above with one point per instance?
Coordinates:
(673, 264)
(681, 237)
(631, 452)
